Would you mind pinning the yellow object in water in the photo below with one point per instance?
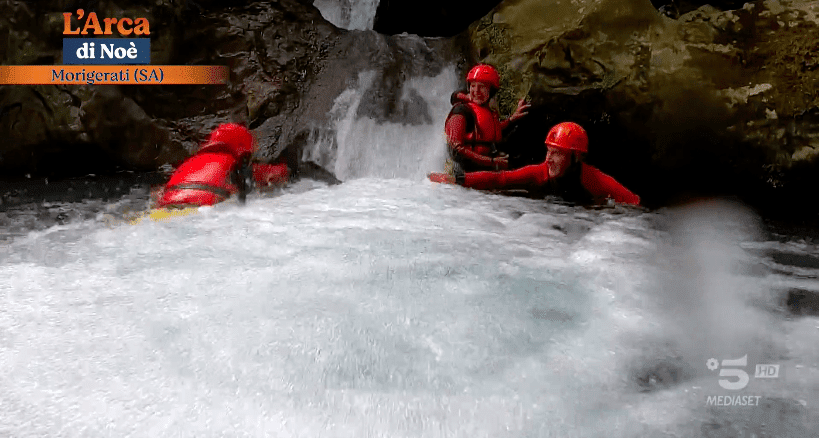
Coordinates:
(163, 214)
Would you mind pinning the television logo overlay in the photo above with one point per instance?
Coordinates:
(109, 51)
(734, 378)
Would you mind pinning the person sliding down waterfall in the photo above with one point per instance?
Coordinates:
(220, 169)
(563, 174)
(473, 129)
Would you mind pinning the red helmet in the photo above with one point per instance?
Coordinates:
(484, 73)
(236, 136)
(568, 135)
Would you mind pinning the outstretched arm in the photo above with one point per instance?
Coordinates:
(270, 174)
(602, 186)
(533, 175)
(528, 176)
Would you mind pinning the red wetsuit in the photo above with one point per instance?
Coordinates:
(595, 185)
(205, 178)
(472, 131)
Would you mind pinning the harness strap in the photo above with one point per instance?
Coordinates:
(242, 176)
(218, 191)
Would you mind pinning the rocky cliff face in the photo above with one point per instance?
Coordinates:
(715, 101)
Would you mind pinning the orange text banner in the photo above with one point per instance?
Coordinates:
(113, 74)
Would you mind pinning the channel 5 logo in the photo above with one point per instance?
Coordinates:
(734, 368)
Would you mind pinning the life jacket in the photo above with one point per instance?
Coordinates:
(209, 177)
(483, 129)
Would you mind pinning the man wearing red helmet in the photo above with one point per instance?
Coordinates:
(219, 169)
(563, 173)
(473, 129)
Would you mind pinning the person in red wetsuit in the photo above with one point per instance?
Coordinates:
(563, 174)
(219, 169)
(473, 129)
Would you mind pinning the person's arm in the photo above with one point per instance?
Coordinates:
(602, 186)
(270, 174)
(520, 111)
(458, 96)
(456, 133)
(534, 175)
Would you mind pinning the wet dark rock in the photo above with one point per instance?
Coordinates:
(802, 302)
(127, 133)
(21, 192)
(650, 375)
(314, 172)
(675, 8)
(797, 260)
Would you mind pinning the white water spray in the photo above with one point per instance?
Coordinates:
(349, 14)
(713, 307)
(368, 148)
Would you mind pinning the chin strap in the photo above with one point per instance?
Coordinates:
(218, 191)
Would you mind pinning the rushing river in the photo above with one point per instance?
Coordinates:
(397, 307)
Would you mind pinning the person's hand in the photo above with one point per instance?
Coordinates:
(501, 162)
(520, 111)
(442, 178)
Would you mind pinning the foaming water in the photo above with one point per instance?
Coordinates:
(349, 14)
(393, 308)
(705, 296)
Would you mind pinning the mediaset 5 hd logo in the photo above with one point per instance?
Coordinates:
(737, 378)
(92, 60)
(735, 368)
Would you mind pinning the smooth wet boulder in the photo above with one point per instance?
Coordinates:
(714, 102)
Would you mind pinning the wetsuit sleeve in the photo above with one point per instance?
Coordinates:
(270, 174)
(602, 186)
(458, 96)
(455, 129)
(534, 175)
(504, 124)
(455, 133)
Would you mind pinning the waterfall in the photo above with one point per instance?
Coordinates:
(366, 147)
(349, 14)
